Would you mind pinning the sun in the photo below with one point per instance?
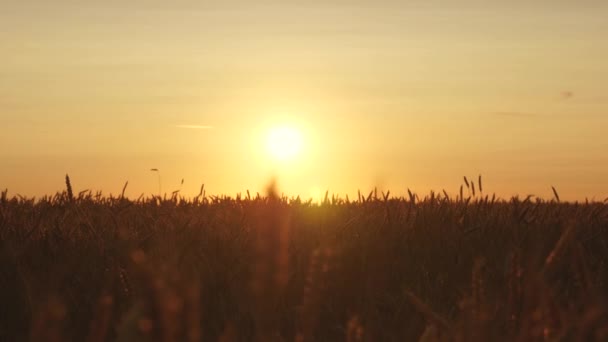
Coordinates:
(284, 143)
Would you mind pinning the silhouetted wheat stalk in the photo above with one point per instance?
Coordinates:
(68, 186)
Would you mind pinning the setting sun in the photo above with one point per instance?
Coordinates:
(284, 143)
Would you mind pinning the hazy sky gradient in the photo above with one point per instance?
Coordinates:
(387, 94)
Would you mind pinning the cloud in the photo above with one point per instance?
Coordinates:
(517, 114)
(195, 126)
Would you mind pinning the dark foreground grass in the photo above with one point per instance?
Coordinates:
(93, 268)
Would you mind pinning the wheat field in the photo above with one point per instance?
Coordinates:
(470, 267)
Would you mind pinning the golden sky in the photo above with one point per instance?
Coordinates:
(393, 94)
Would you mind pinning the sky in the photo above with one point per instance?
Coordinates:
(386, 94)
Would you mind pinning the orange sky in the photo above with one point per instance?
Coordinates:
(383, 94)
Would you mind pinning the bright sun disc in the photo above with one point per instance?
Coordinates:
(284, 143)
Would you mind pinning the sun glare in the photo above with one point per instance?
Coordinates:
(284, 143)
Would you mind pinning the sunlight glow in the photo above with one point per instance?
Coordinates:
(316, 194)
(284, 143)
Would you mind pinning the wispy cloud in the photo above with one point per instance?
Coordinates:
(195, 126)
(517, 114)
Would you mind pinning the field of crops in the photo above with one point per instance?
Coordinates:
(86, 267)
